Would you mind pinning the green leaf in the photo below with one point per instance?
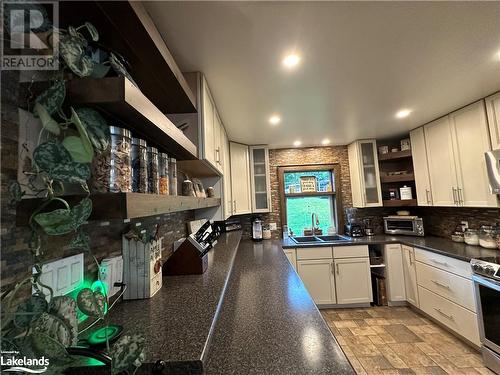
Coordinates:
(72, 49)
(81, 212)
(15, 191)
(91, 303)
(50, 154)
(48, 122)
(81, 241)
(54, 327)
(127, 351)
(96, 126)
(77, 150)
(30, 310)
(55, 223)
(71, 172)
(64, 308)
(44, 345)
(100, 70)
(92, 31)
(52, 99)
(119, 68)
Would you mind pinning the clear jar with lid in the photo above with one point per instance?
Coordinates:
(163, 172)
(111, 170)
(139, 158)
(172, 176)
(487, 237)
(153, 171)
(471, 236)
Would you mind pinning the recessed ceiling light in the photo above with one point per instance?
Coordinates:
(497, 55)
(297, 143)
(274, 120)
(325, 141)
(403, 113)
(291, 61)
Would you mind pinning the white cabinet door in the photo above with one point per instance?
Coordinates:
(240, 179)
(218, 145)
(420, 168)
(493, 110)
(353, 280)
(394, 273)
(226, 177)
(442, 173)
(208, 125)
(259, 176)
(317, 276)
(471, 141)
(410, 275)
(292, 257)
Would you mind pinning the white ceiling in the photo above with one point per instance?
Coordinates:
(361, 62)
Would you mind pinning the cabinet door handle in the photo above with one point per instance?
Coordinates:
(444, 314)
(460, 197)
(441, 284)
(231, 205)
(331, 268)
(427, 193)
(234, 206)
(338, 270)
(440, 263)
(455, 201)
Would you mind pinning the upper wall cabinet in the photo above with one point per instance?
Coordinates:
(259, 175)
(420, 168)
(455, 146)
(240, 179)
(493, 110)
(365, 178)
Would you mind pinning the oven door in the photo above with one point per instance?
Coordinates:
(488, 311)
(395, 226)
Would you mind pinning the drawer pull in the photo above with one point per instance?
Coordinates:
(441, 284)
(441, 263)
(338, 271)
(444, 314)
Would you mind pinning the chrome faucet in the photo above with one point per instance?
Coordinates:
(313, 223)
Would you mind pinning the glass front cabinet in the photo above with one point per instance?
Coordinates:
(259, 175)
(364, 171)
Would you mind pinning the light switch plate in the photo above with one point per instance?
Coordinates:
(272, 226)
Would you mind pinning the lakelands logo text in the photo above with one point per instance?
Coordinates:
(30, 39)
(12, 363)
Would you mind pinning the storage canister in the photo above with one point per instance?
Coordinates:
(164, 174)
(153, 171)
(172, 176)
(405, 193)
(111, 170)
(139, 166)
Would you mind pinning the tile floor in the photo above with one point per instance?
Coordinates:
(398, 340)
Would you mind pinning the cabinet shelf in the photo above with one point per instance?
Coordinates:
(395, 155)
(400, 202)
(109, 206)
(397, 178)
(121, 99)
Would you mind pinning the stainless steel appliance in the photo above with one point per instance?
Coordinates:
(406, 225)
(486, 279)
(354, 226)
(493, 168)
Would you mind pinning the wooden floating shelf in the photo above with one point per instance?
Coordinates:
(123, 100)
(110, 206)
(311, 194)
(400, 203)
(395, 155)
(397, 178)
(197, 168)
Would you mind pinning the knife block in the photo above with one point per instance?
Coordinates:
(186, 260)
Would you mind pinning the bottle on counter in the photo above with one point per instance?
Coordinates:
(163, 171)
(139, 166)
(153, 171)
(172, 176)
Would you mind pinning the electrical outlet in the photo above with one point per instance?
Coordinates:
(272, 226)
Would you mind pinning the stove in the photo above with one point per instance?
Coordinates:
(486, 279)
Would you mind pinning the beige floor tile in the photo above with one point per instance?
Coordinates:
(362, 331)
(376, 340)
(412, 355)
(392, 357)
(466, 360)
(345, 332)
(430, 370)
(402, 334)
(484, 371)
(345, 324)
(388, 339)
(378, 362)
(426, 348)
(377, 322)
(444, 364)
(469, 371)
(361, 322)
(366, 350)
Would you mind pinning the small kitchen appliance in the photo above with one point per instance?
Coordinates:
(486, 277)
(405, 225)
(369, 229)
(257, 229)
(354, 226)
(229, 225)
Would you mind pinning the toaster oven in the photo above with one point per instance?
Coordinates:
(405, 225)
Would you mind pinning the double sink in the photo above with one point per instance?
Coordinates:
(320, 239)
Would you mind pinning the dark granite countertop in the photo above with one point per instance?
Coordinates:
(435, 244)
(268, 323)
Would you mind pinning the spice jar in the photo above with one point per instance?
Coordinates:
(111, 170)
(471, 237)
(153, 171)
(163, 171)
(487, 237)
(172, 176)
(139, 158)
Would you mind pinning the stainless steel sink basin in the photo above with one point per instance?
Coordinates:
(319, 239)
(306, 239)
(335, 237)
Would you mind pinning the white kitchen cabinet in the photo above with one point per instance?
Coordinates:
(395, 279)
(493, 110)
(226, 165)
(420, 168)
(410, 275)
(259, 177)
(240, 179)
(364, 174)
(317, 276)
(208, 124)
(292, 257)
(352, 280)
(442, 173)
(470, 141)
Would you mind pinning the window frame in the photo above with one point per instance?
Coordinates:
(336, 193)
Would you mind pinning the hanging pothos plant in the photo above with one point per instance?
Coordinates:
(69, 139)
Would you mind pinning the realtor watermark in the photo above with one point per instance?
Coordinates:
(30, 39)
(11, 362)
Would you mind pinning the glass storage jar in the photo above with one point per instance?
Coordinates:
(139, 158)
(172, 176)
(111, 170)
(487, 237)
(471, 237)
(153, 172)
(163, 171)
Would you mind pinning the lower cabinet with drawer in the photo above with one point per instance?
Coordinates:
(317, 276)
(292, 257)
